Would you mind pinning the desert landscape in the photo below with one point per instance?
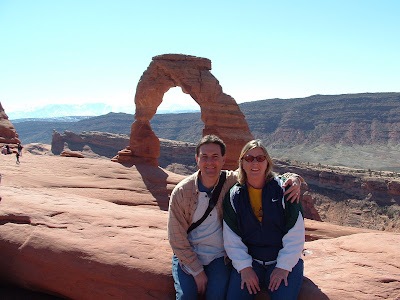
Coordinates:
(85, 217)
(90, 228)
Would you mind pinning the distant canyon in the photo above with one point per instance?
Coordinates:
(353, 130)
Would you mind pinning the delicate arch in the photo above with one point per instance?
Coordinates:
(219, 112)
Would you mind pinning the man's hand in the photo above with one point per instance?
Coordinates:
(201, 282)
(294, 190)
(276, 278)
(250, 278)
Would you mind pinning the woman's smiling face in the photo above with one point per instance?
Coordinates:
(255, 169)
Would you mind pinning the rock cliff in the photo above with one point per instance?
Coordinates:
(351, 119)
(174, 155)
(8, 135)
(100, 143)
(352, 197)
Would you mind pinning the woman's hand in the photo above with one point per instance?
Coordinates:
(294, 190)
(250, 278)
(276, 278)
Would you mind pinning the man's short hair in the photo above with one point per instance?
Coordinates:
(211, 139)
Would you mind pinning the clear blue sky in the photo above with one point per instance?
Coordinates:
(95, 51)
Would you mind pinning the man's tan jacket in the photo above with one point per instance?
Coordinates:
(182, 205)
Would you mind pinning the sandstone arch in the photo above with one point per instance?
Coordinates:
(219, 112)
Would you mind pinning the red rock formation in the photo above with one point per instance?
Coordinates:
(71, 154)
(351, 197)
(346, 182)
(94, 144)
(308, 203)
(394, 188)
(62, 233)
(57, 143)
(101, 143)
(8, 135)
(219, 111)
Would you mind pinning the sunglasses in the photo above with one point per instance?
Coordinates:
(250, 158)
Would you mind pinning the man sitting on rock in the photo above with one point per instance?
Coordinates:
(195, 226)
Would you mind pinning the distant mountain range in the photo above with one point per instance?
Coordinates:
(76, 112)
(52, 111)
(355, 130)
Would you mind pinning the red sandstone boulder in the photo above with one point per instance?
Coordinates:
(63, 233)
(66, 153)
(8, 135)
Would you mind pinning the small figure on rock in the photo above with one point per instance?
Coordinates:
(20, 149)
(17, 155)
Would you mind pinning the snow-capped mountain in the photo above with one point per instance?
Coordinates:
(61, 110)
(58, 111)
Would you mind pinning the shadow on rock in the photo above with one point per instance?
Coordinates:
(155, 180)
(9, 292)
(309, 291)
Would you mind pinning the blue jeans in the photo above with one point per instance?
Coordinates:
(295, 280)
(218, 278)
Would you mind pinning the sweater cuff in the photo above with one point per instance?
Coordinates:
(194, 269)
(239, 266)
(288, 175)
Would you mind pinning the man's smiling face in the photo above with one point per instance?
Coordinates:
(210, 162)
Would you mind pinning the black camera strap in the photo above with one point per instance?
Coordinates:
(213, 201)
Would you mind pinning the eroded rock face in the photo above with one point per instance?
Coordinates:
(174, 155)
(348, 197)
(100, 143)
(66, 217)
(219, 112)
(71, 154)
(8, 134)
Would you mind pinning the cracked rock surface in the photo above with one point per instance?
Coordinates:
(94, 229)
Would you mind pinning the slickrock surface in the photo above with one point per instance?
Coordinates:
(357, 266)
(219, 112)
(64, 233)
(174, 155)
(8, 135)
(71, 154)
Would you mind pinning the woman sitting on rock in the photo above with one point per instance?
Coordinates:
(263, 234)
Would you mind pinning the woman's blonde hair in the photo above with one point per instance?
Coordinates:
(249, 146)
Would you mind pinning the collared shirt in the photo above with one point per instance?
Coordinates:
(206, 239)
(182, 206)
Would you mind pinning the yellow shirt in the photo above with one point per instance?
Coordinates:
(255, 201)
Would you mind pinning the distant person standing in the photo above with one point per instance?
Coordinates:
(20, 149)
(17, 155)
